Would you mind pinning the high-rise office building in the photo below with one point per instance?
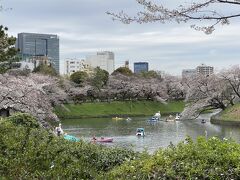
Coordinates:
(104, 60)
(205, 70)
(35, 46)
(140, 67)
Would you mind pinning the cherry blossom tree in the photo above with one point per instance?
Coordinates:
(34, 94)
(232, 78)
(208, 12)
(207, 92)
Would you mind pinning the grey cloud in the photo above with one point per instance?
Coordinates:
(84, 28)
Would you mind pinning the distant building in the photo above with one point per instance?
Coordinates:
(205, 70)
(74, 65)
(188, 73)
(140, 67)
(39, 47)
(104, 60)
(126, 64)
(162, 74)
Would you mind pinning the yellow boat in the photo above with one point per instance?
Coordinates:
(117, 118)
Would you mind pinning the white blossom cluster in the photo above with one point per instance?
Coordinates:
(202, 11)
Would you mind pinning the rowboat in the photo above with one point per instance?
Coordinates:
(102, 140)
(71, 138)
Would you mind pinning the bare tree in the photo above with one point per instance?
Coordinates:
(201, 11)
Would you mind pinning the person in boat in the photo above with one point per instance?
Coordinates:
(94, 138)
(59, 130)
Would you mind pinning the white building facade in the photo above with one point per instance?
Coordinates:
(74, 65)
(105, 60)
(205, 70)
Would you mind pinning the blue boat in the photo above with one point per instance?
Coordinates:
(154, 119)
(140, 132)
(71, 138)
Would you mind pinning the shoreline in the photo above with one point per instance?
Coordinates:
(114, 115)
(219, 120)
(119, 109)
(225, 122)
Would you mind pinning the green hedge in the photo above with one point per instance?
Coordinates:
(30, 152)
(212, 159)
(35, 153)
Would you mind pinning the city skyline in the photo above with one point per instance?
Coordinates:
(84, 28)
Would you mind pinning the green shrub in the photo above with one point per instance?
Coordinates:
(212, 159)
(35, 153)
(123, 70)
(45, 69)
(24, 119)
(79, 77)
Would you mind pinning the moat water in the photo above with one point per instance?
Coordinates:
(158, 135)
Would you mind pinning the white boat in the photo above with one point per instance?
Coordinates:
(177, 117)
(128, 119)
(158, 115)
(154, 118)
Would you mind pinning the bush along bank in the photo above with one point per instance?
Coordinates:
(204, 159)
(118, 108)
(28, 151)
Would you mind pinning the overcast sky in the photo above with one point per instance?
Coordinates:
(84, 28)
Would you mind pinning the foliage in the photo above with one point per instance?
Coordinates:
(79, 77)
(30, 153)
(123, 70)
(35, 153)
(150, 74)
(24, 119)
(45, 69)
(100, 78)
(7, 50)
(205, 159)
(144, 108)
(206, 10)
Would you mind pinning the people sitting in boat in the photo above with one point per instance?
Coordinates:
(140, 132)
(177, 117)
(59, 130)
(128, 119)
(94, 138)
(170, 118)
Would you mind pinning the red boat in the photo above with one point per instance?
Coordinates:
(102, 140)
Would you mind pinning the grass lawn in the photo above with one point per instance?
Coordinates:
(231, 113)
(118, 108)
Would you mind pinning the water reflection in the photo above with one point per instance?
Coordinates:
(158, 134)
